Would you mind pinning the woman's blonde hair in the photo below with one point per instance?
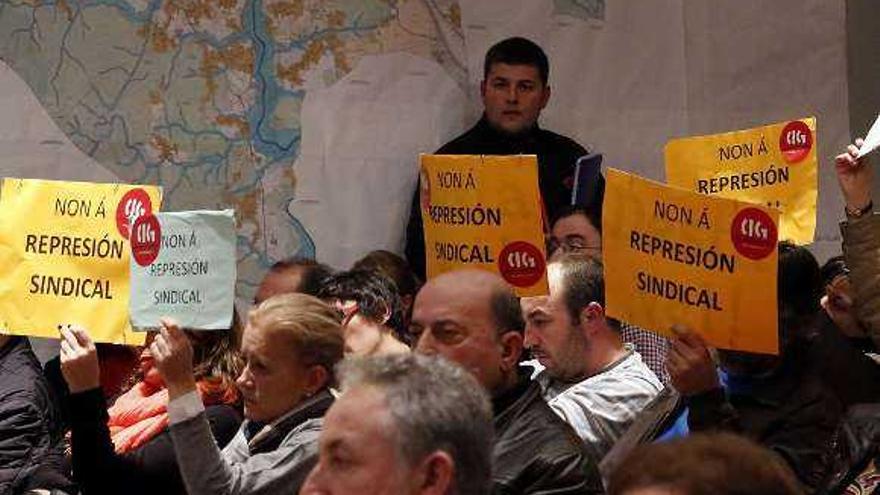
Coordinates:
(313, 327)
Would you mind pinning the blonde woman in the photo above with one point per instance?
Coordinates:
(290, 346)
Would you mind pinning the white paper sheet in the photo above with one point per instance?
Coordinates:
(872, 140)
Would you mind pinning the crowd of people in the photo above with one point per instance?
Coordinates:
(371, 380)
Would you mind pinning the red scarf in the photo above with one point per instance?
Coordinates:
(140, 414)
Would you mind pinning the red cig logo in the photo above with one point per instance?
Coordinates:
(521, 264)
(753, 233)
(796, 141)
(134, 205)
(145, 233)
(146, 240)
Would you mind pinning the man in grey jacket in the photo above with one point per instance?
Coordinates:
(290, 346)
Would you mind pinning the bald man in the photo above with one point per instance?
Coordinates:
(473, 318)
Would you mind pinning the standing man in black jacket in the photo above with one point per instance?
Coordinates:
(473, 318)
(514, 90)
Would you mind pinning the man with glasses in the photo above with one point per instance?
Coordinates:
(576, 229)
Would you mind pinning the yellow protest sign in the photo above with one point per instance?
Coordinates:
(674, 256)
(773, 165)
(484, 212)
(64, 253)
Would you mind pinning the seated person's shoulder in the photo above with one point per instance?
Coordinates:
(21, 375)
(20, 401)
(22, 415)
(609, 392)
(304, 434)
(540, 449)
(538, 428)
(16, 356)
(635, 374)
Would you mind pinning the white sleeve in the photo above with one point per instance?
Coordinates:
(185, 407)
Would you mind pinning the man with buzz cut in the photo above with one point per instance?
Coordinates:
(514, 90)
(588, 375)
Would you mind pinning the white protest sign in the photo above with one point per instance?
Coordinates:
(872, 140)
(183, 266)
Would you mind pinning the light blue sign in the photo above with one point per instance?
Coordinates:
(192, 279)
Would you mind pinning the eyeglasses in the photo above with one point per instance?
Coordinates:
(570, 245)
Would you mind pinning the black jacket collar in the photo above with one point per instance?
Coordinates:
(524, 142)
(511, 398)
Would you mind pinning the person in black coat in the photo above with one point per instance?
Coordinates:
(514, 91)
(31, 435)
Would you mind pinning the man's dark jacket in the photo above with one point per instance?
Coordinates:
(557, 158)
(856, 446)
(791, 412)
(31, 437)
(535, 451)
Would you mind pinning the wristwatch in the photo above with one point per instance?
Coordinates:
(859, 212)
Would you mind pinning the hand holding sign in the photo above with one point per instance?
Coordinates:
(840, 307)
(872, 140)
(855, 177)
(79, 359)
(173, 353)
(690, 363)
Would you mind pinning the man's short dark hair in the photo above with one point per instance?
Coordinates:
(518, 51)
(799, 290)
(583, 282)
(374, 294)
(800, 280)
(312, 272)
(392, 266)
(834, 268)
(592, 213)
(506, 311)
